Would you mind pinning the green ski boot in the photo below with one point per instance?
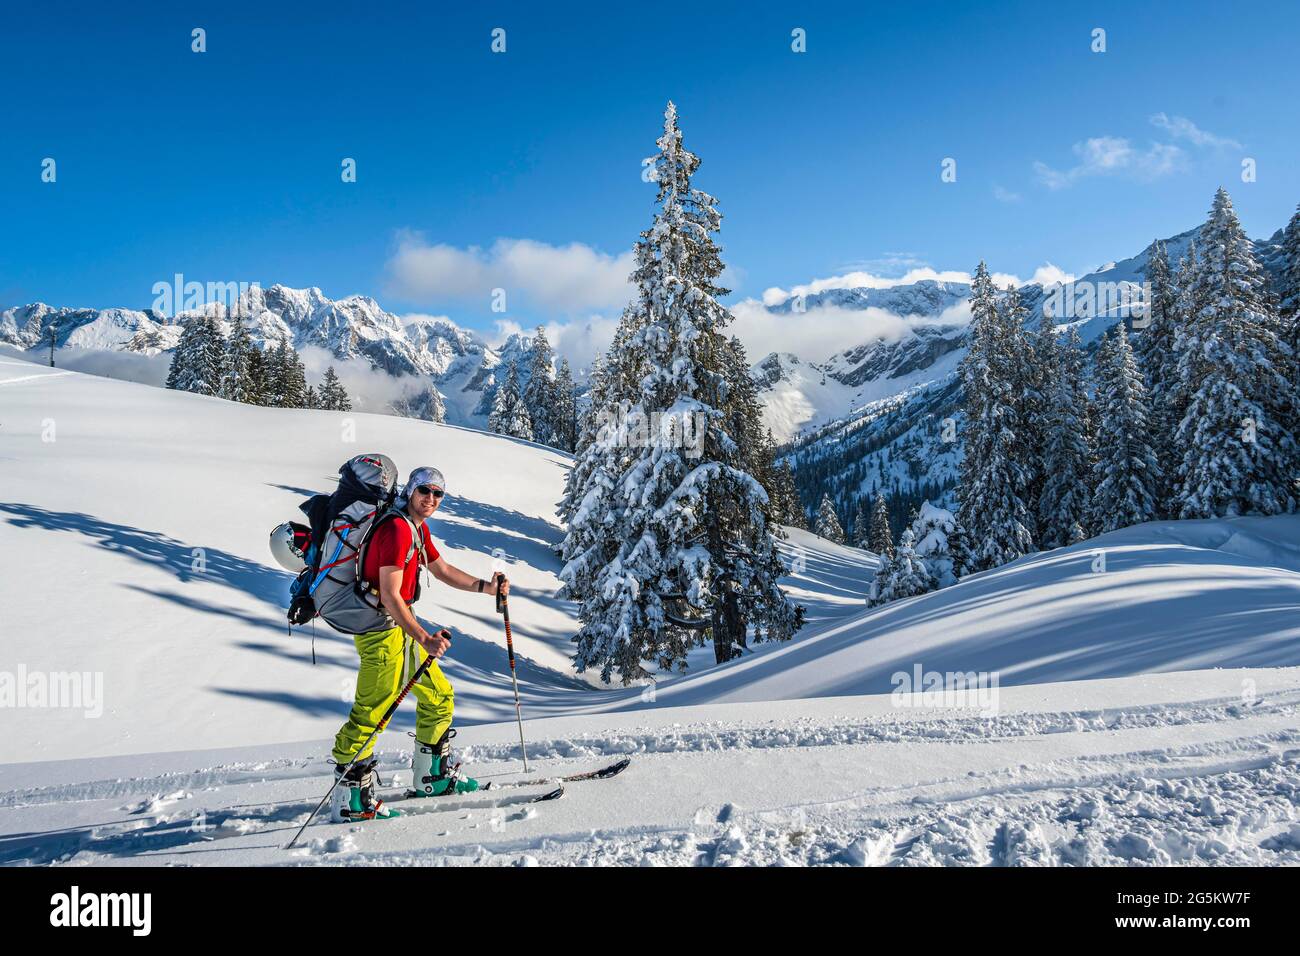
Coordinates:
(432, 772)
(354, 798)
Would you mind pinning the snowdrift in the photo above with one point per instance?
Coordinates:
(1163, 596)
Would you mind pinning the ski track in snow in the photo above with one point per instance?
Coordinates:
(710, 736)
(1232, 801)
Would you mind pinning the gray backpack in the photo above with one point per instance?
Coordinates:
(343, 524)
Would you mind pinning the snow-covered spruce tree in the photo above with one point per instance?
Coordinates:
(181, 371)
(575, 479)
(592, 510)
(239, 346)
(959, 548)
(199, 360)
(695, 554)
(333, 395)
(932, 532)
(509, 414)
(1036, 373)
(589, 508)
(1064, 503)
(540, 398)
(566, 409)
(1127, 474)
(312, 399)
(291, 377)
(1153, 345)
(828, 523)
(1289, 308)
(879, 538)
(993, 478)
(1289, 297)
(1235, 370)
(901, 575)
(256, 385)
(787, 509)
(861, 525)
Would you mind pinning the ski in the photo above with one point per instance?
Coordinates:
(603, 773)
(408, 803)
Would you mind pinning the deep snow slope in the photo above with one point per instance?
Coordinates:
(133, 524)
(1163, 596)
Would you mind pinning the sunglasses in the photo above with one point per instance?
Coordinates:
(426, 490)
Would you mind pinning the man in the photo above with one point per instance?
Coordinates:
(397, 549)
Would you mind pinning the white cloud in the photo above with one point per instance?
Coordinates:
(1180, 127)
(1112, 155)
(568, 279)
(1048, 274)
(775, 296)
(1005, 195)
(815, 334)
(861, 280)
(581, 341)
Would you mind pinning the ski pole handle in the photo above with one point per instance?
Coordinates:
(504, 609)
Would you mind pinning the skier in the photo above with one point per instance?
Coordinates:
(393, 558)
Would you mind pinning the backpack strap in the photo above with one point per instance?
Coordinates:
(365, 587)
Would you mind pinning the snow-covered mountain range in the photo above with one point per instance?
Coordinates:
(355, 333)
(873, 416)
(869, 415)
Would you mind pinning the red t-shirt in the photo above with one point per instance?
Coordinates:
(388, 548)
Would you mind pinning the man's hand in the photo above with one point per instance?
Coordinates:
(499, 579)
(437, 644)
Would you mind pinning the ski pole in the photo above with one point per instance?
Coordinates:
(379, 728)
(504, 610)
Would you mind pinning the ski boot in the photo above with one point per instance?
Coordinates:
(354, 797)
(432, 772)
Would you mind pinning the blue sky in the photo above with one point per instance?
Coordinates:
(523, 169)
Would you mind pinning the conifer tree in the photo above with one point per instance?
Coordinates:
(933, 530)
(696, 558)
(994, 479)
(292, 384)
(566, 409)
(828, 522)
(509, 414)
(256, 388)
(862, 525)
(1235, 372)
(239, 347)
(879, 538)
(333, 395)
(1064, 503)
(1154, 347)
(539, 395)
(901, 575)
(1127, 474)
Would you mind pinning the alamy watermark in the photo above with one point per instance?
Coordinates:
(1088, 299)
(61, 690)
(630, 427)
(176, 296)
(920, 689)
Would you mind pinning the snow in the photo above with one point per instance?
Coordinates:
(1144, 714)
